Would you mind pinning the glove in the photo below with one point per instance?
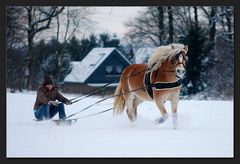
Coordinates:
(68, 103)
(53, 103)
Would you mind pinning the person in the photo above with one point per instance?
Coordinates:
(46, 106)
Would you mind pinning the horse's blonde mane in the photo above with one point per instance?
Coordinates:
(163, 53)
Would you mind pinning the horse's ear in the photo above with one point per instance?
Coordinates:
(186, 48)
(172, 46)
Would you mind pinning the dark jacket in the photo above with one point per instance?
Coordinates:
(44, 96)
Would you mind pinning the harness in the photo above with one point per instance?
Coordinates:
(158, 85)
(161, 85)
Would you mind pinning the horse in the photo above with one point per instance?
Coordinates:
(158, 81)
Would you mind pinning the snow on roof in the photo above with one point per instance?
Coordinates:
(83, 69)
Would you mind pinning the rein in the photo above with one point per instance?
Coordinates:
(102, 101)
(95, 113)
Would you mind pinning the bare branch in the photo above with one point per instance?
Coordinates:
(205, 11)
(49, 16)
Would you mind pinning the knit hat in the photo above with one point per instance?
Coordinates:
(47, 80)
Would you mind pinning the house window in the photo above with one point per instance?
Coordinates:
(115, 70)
(109, 70)
(119, 69)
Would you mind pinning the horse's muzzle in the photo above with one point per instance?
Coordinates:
(180, 72)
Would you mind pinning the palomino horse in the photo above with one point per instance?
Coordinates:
(158, 81)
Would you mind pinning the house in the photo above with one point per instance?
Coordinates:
(99, 67)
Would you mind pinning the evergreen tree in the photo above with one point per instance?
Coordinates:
(49, 66)
(104, 38)
(88, 44)
(195, 65)
(74, 49)
(107, 41)
(113, 42)
(92, 42)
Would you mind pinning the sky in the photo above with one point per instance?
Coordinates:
(104, 20)
(205, 129)
(111, 19)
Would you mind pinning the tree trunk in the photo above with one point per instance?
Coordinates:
(161, 24)
(229, 25)
(196, 17)
(27, 64)
(189, 17)
(170, 24)
(212, 24)
(57, 52)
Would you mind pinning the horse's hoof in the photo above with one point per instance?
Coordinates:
(160, 120)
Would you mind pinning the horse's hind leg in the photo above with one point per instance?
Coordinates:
(163, 111)
(136, 102)
(129, 103)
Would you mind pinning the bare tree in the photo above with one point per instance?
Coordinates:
(229, 18)
(210, 14)
(212, 24)
(159, 25)
(74, 17)
(221, 56)
(15, 31)
(196, 16)
(160, 14)
(225, 19)
(170, 24)
(38, 19)
(182, 20)
(149, 26)
(15, 41)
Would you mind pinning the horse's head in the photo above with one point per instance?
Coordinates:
(171, 57)
(179, 62)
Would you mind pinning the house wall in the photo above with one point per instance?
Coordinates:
(80, 88)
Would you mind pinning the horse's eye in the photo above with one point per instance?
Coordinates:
(174, 60)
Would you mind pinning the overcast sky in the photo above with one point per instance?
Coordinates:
(106, 20)
(111, 19)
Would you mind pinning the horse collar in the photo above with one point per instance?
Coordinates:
(148, 83)
(158, 85)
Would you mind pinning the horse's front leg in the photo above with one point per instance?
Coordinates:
(160, 105)
(174, 104)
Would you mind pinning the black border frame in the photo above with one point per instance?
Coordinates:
(3, 65)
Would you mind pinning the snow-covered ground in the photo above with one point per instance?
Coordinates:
(205, 130)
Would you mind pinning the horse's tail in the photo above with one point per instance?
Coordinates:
(119, 102)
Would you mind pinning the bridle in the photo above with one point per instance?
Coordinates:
(175, 64)
(158, 85)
